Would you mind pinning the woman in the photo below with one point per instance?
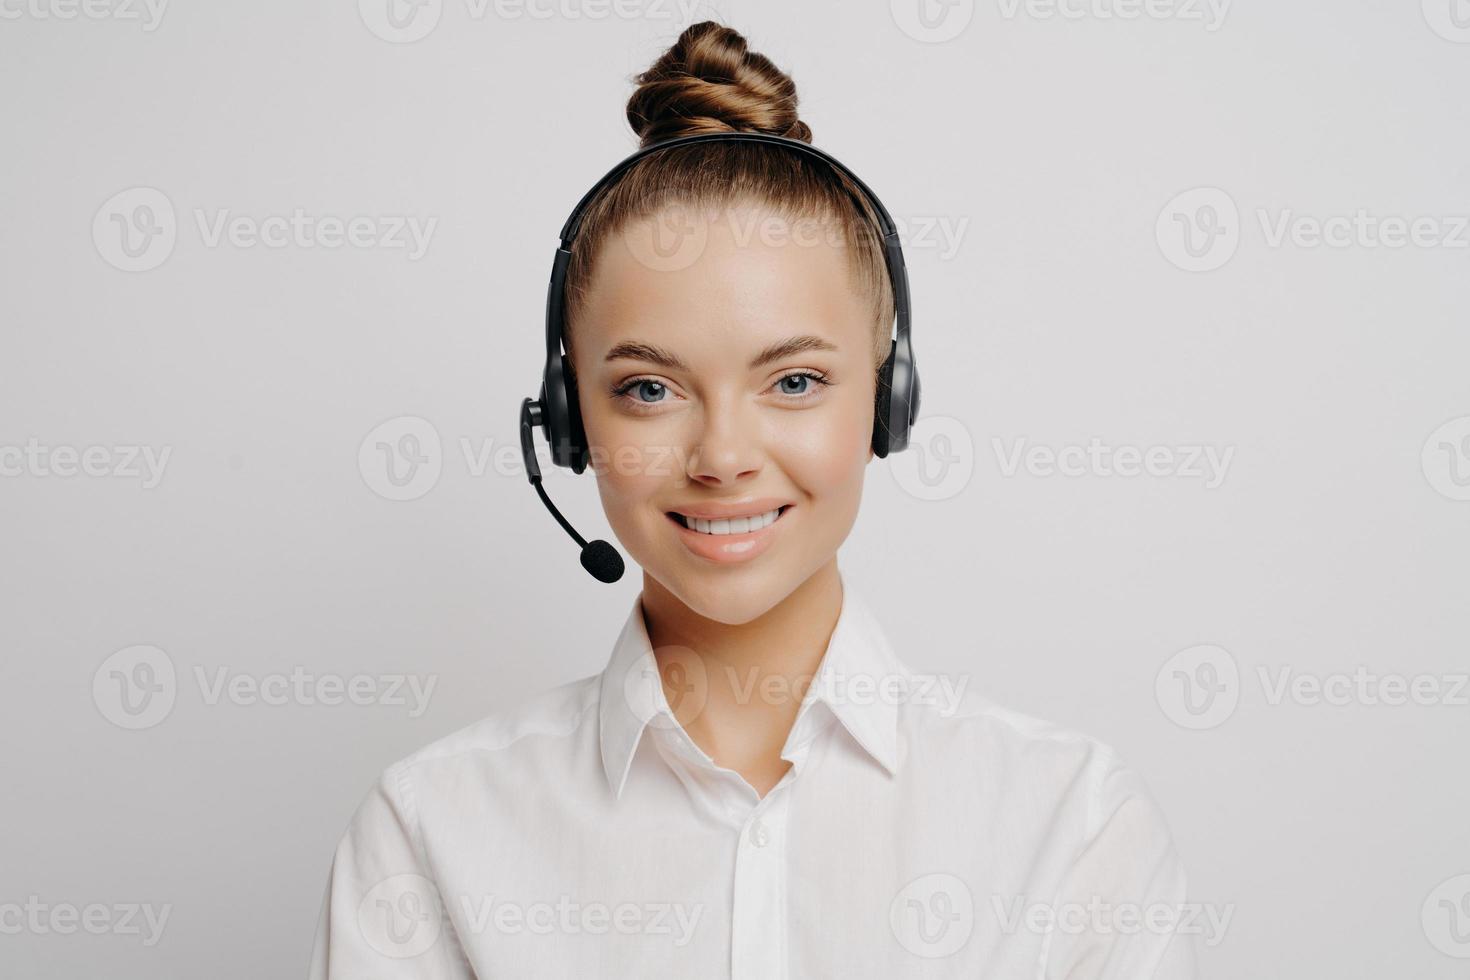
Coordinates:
(755, 786)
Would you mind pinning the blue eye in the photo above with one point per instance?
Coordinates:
(800, 389)
(802, 386)
(650, 387)
(638, 392)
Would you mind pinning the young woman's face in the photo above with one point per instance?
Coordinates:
(732, 375)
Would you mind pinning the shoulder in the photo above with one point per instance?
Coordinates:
(1047, 760)
(547, 721)
(456, 779)
(943, 708)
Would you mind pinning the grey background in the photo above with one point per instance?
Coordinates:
(1060, 318)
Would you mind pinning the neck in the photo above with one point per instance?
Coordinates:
(752, 675)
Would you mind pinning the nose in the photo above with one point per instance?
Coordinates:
(729, 447)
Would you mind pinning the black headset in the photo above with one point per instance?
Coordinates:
(558, 413)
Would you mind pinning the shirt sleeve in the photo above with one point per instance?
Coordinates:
(382, 916)
(1121, 912)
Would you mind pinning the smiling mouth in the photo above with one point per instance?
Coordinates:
(726, 526)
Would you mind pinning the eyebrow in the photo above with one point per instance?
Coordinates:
(791, 346)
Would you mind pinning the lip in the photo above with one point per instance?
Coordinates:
(748, 507)
(731, 548)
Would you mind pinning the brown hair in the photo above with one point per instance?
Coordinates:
(708, 81)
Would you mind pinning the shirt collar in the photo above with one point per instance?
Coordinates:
(860, 680)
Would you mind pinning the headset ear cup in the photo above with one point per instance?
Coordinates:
(905, 406)
(558, 402)
(882, 401)
(914, 405)
(576, 434)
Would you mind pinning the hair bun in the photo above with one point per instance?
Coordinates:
(710, 82)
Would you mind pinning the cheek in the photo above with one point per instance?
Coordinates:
(632, 466)
(826, 456)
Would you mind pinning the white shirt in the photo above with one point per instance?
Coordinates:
(921, 831)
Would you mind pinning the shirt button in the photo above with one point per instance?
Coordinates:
(760, 834)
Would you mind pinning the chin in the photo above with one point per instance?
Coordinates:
(725, 596)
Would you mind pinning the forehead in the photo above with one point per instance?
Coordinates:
(723, 281)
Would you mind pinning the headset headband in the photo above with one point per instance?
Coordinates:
(570, 229)
(892, 250)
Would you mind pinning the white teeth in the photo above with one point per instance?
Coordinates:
(733, 525)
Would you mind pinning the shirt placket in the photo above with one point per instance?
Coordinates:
(758, 934)
(758, 919)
